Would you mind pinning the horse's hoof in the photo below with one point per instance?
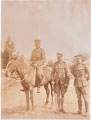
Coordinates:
(26, 112)
(32, 111)
(46, 105)
(56, 111)
(77, 113)
(29, 111)
(86, 115)
(62, 111)
(59, 111)
(33, 108)
(52, 107)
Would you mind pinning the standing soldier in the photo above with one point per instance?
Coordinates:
(38, 59)
(81, 75)
(60, 80)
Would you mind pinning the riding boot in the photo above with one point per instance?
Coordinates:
(38, 86)
(87, 109)
(79, 107)
(38, 89)
(22, 90)
(62, 103)
(58, 101)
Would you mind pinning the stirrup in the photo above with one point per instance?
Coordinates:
(22, 90)
(38, 90)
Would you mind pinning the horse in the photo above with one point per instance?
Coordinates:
(28, 80)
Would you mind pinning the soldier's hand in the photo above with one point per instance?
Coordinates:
(88, 78)
(52, 82)
(35, 65)
(65, 85)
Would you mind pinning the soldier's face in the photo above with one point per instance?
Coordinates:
(37, 44)
(59, 58)
(79, 60)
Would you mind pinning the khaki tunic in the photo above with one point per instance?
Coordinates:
(81, 74)
(81, 83)
(60, 73)
(38, 56)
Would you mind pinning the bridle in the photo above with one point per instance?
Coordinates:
(15, 70)
(20, 81)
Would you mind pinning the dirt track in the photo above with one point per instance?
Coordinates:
(14, 102)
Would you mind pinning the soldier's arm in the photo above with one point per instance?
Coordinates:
(87, 72)
(31, 59)
(43, 57)
(72, 70)
(32, 56)
(53, 73)
(67, 73)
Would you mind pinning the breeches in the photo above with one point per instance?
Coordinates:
(83, 91)
(60, 88)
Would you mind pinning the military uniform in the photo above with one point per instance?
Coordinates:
(60, 77)
(61, 80)
(81, 77)
(38, 56)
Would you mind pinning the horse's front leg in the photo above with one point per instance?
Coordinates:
(27, 100)
(47, 93)
(52, 94)
(31, 96)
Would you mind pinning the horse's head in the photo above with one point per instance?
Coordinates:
(50, 63)
(11, 67)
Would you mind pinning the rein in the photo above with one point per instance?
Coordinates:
(15, 78)
(19, 81)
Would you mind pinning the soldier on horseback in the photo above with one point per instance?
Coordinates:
(60, 80)
(37, 59)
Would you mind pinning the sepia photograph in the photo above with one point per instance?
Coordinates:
(45, 59)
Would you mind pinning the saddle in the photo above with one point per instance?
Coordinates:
(41, 74)
(44, 74)
(31, 77)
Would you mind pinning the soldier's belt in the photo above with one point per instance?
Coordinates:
(57, 72)
(81, 77)
(36, 59)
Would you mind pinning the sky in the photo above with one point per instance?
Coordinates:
(61, 25)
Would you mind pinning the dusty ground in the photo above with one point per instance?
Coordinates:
(14, 102)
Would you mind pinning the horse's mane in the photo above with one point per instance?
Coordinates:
(22, 65)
